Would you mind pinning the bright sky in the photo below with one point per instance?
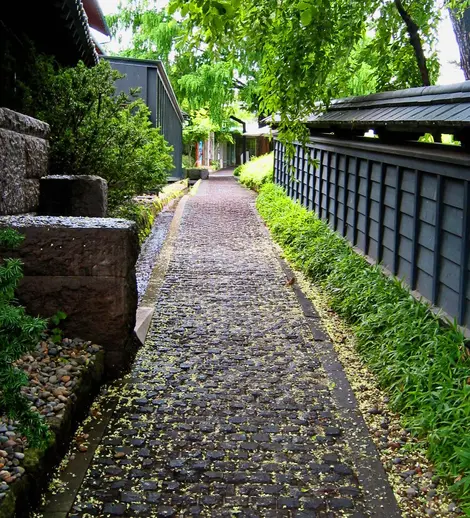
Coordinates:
(448, 49)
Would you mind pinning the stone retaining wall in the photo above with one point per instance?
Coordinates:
(86, 268)
(23, 161)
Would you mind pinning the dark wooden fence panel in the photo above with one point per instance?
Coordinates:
(406, 207)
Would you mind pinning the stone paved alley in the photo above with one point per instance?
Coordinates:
(234, 407)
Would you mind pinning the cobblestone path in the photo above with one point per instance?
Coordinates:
(228, 410)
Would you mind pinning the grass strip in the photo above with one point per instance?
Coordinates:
(419, 361)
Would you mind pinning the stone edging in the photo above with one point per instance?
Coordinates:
(147, 306)
(370, 470)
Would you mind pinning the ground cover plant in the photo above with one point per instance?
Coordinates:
(19, 334)
(142, 214)
(256, 172)
(423, 364)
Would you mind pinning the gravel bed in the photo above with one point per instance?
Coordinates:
(152, 247)
(418, 490)
(54, 370)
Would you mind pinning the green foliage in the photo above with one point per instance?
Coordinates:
(199, 128)
(302, 52)
(422, 363)
(56, 333)
(95, 131)
(200, 79)
(445, 139)
(188, 162)
(143, 214)
(154, 32)
(216, 165)
(257, 171)
(19, 334)
(144, 211)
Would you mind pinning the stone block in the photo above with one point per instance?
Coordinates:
(86, 268)
(36, 157)
(197, 173)
(101, 309)
(74, 247)
(23, 124)
(79, 195)
(23, 160)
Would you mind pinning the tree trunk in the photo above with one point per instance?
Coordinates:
(415, 40)
(462, 35)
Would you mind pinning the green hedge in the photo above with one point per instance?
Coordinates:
(143, 215)
(422, 363)
(257, 171)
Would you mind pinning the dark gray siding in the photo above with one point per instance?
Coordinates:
(156, 92)
(403, 207)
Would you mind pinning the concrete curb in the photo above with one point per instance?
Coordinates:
(194, 188)
(147, 306)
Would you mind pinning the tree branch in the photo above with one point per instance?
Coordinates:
(415, 40)
(238, 84)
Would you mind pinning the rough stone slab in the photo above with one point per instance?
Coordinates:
(86, 268)
(20, 123)
(20, 198)
(74, 246)
(228, 407)
(101, 309)
(26, 220)
(36, 157)
(79, 195)
(23, 160)
(197, 173)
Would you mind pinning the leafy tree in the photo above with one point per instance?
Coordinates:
(199, 80)
(302, 52)
(19, 334)
(95, 131)
(197, 129)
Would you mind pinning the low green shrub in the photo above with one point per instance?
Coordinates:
(422, 363)
(144, 211)
(19, 334)
(257, 171)
(95, 131)
(143, 214)
(188, 161)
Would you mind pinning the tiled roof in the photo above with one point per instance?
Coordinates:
(415, 109)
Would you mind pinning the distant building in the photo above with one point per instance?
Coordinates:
(231, 154)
